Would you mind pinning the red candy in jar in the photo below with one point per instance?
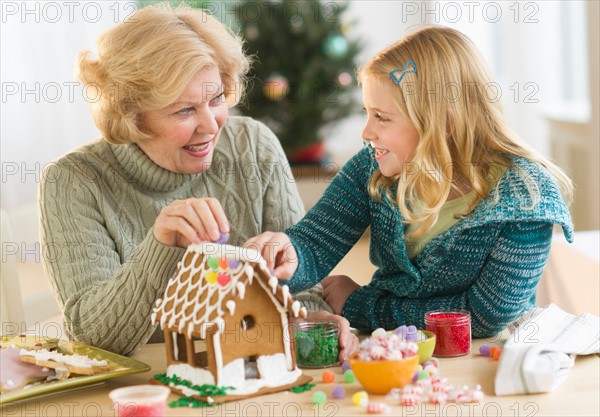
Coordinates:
(452, 329)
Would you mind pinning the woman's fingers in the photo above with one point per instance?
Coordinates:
(191, 221)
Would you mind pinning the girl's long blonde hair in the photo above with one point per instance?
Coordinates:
(145, 63)
(464, 140)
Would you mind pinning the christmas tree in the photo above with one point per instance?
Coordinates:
(303, 75)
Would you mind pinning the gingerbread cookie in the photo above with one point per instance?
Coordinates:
(64, 364)
(16, 374)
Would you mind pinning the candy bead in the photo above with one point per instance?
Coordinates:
(379, 332)
(439, 380)
(345, 366)
(409, 399)
(223, 238)
(328, 377)
(377, 408)
(484, 350)
(412, 389)
(437, 398)
(360, 398)
(435, 361)
(423, 375)
(427, 363)
(415, 377)
(419, 367)
(431, 370)
(338, 392)
(492, 350)
(497, 354)
(349, 376)
(319, 397)
(424, 383)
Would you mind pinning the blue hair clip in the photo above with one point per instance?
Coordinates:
(399, 73)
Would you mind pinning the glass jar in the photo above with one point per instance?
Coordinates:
(453, 331)
(316, 343)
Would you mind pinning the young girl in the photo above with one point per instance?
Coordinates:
(461, 210)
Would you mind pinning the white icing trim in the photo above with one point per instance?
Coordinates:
(175, 346)
(296, 308)
(230, 304)
(218, 356)
(273, 284)
(285, 292)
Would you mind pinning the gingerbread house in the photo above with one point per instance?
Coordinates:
(226, 324)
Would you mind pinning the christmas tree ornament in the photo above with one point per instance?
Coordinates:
(276, 87)
(252, 33)
(335, 46)
(344, 78)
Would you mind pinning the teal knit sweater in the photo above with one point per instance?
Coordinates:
(489, 263)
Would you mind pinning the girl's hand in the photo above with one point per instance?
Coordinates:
(347, 340)
(194, 220)
(337, 289)
(278, 251)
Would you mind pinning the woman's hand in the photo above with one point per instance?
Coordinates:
(347, 340)
(337, 289)
(279, 252)
(194, 220)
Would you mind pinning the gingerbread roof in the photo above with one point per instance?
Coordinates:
(210, 279)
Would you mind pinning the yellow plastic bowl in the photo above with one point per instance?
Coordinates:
(379, 377)
(426, 346)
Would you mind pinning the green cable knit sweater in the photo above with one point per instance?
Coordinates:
(99, 203)
(488, 263)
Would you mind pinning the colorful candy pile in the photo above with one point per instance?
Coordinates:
(434, 391)
(386, 346)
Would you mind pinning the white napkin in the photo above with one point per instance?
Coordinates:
(541, 349)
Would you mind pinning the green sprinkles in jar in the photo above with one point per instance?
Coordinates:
(317, 344)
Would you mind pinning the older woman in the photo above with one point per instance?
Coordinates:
(171, 169)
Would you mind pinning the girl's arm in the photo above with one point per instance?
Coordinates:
(332, 227)
(503, 290)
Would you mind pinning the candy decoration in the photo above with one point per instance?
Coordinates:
(233, 263)
(435, 361)
(431, 370)
(484, 350)
(423, 375)
(328, 377)
(377, 408)
(497, 354)
(223, 279)
(213, 263)
(349, 376)
(211, 277)
(437, 397)
(415, 377)
(319, 397)
(338, 392)
(222, 262)
(345, 366)
(409, 399)
(386, 346)
(360, 398)
(223, 238)
(379, 332)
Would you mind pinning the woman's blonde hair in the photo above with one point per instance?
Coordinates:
(464, 141)
(146, 62)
